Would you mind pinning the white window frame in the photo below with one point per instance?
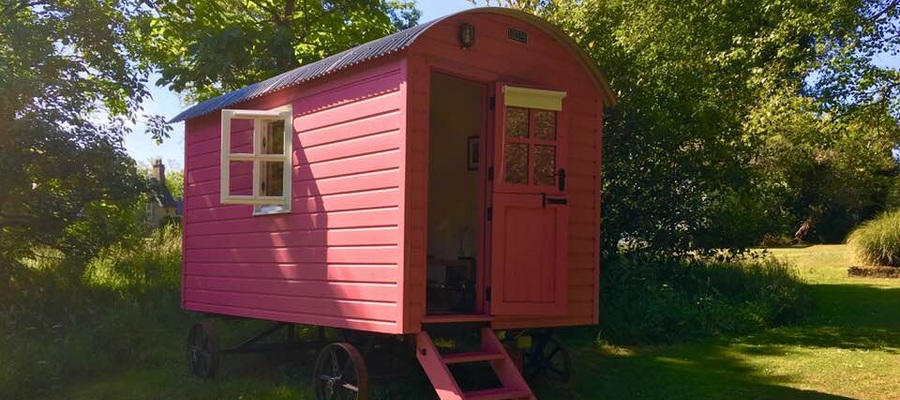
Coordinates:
(262, 204)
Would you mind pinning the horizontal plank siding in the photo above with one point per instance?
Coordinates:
(328, 255)
(224, 221)
(364, 324)
(322, 272)
(382, 292)
(297, 238)
(381, 311)
(335, 259)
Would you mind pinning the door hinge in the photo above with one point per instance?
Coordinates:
(487, 293)
(493, 103)
(490, 213)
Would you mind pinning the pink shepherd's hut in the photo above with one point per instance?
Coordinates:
(445, 174)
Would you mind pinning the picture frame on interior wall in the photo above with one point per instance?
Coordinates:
(472, 157)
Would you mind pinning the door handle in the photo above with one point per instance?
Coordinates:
(561, 179)
(557, 201)
(560, 201)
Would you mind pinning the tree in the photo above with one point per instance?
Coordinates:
(709, 90)
(175, 183)
(68, 88)
(205, 48)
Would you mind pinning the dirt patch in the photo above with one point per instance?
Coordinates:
(874, 272)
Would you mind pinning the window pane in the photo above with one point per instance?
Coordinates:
(545, 124)
(273, 137)
(516, 160)
(517, 122)
(272, 182)
(240, 179)
(544, 165)
(241, 136)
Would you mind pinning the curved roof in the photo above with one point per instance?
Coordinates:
(379, 48)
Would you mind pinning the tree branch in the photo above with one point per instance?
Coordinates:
(12, 9)
(289, 7)
(881, 13)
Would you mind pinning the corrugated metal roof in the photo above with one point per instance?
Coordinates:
(374, 49)
(382, 47)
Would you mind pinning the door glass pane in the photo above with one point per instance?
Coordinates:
(545, 124)
(272, 182)
(273, 137)
(516, 159)
(517, 122)
(544, 165)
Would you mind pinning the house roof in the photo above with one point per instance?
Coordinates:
(161, 194)
(379, 48)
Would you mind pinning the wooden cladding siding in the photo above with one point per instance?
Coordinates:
(541, 63)
(336, 258)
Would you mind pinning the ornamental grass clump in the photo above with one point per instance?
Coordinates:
(877, 242)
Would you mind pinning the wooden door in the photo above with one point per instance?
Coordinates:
(529, 213)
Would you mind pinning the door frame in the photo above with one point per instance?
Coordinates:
(482, 238)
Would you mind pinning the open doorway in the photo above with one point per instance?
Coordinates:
(457, 120)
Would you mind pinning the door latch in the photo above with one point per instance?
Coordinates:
(561, 179)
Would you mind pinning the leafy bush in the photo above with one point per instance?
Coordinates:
(770, 240)
(877, 241)
(57, 330)
(649, 300)
(153, 261)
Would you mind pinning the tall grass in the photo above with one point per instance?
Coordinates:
(57, 330)
(649, 300)
(152, 262)
(877, 241)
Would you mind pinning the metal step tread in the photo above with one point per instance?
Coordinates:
(502, 393)
(475, 356)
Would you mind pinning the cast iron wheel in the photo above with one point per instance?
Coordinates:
(340, 374)
(548, 358)
(203, 350)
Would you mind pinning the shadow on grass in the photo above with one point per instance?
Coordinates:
(845, 316)
(696, 371)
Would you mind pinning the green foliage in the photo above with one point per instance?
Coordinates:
(175, 183)
(650, 300)
(893, 199)
(150, 262)
(737, 119)
(203, 48)
(836, 172)
(58, 330)
(69, 91)
(877, 242)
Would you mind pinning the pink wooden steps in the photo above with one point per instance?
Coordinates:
(435, 365)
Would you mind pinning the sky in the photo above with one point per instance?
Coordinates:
(141, 146)
(168, 104)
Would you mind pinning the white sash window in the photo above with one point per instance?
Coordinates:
(257, 159)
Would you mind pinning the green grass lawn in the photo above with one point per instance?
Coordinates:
(848, 347)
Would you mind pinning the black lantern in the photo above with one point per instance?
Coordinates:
(466, 35)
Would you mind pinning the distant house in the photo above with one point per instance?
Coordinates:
(161, 207)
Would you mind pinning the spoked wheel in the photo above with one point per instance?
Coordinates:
(203, 350)
(340, 374)
(547, 358)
